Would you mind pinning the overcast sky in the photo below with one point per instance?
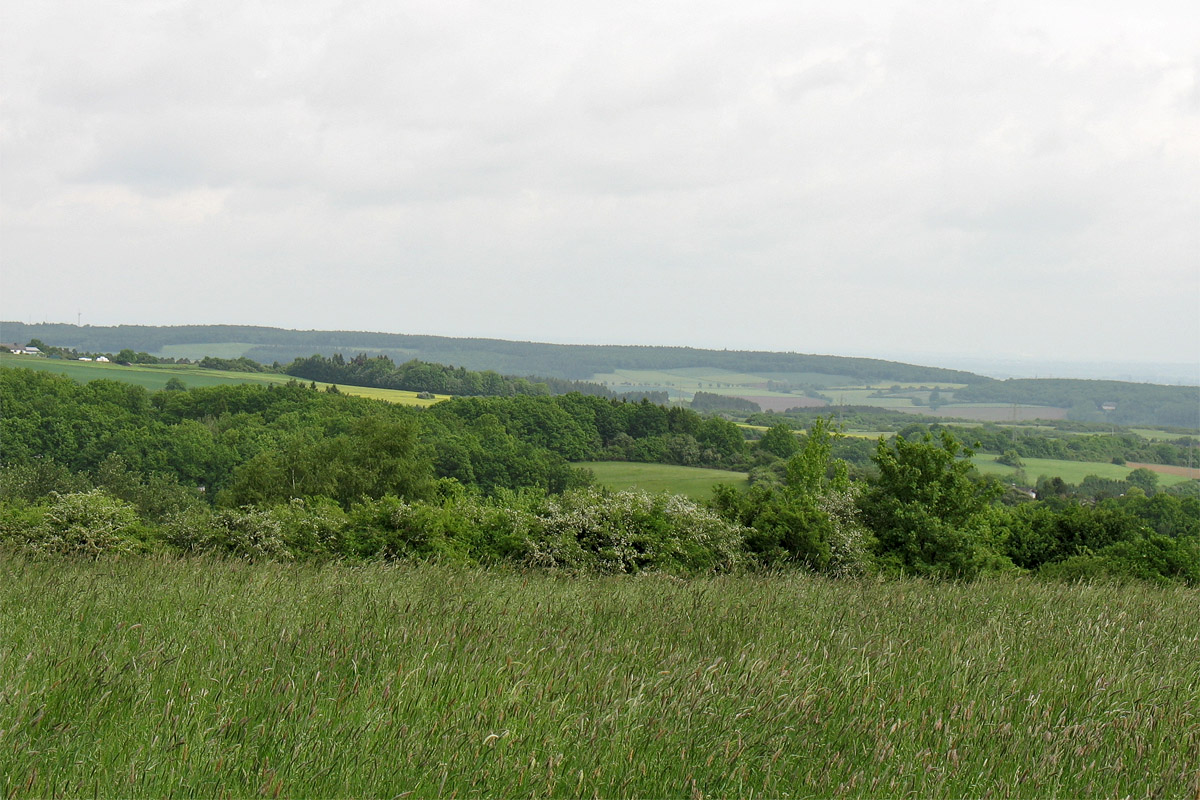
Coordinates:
(995, 179)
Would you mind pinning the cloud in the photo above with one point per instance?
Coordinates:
(765, 175)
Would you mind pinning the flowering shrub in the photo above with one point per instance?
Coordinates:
(849, 540)
(78, 523)
(631, 531)
(249, 533)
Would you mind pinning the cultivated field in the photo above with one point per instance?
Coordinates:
(681, 384)
(154, 677)
(692, 482)
(1163, 469)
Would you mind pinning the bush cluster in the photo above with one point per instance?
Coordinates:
(584, 530)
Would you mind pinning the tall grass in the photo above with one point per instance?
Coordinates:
(162, 677)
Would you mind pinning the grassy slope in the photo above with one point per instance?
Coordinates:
(692, 482)
(153, 678)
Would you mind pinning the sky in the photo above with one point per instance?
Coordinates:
(932, 180)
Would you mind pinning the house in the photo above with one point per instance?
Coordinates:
(102, 358)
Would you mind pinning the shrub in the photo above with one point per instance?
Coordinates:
(313, 527)
(249, 533)
(79, 523)
(627, 532)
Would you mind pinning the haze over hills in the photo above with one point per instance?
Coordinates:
(570, 361)
(771, 380)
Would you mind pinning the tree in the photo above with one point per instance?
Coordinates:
(779, 440)
(1144, 479)
(808, 470)
(1010, 458)
(928, 512)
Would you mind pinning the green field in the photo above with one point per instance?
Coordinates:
(155, 677)
(1069, 471)
(692, 482)
(155, 377)
(1155, 435)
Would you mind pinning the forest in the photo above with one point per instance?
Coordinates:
(290, 472)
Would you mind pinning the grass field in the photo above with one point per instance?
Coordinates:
(1163, 436)
(155, 377)
(692, 482)
(161, 678)
(1069, 471)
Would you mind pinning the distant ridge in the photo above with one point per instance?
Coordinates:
(570, 361)
(783, 380)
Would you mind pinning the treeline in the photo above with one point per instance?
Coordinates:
(289, 472)
(709, 402)
(420, 376)
(1064, 440)
(239, 364)
(1116, 447)
(1129, 403)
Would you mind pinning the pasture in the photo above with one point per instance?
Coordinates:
(693, 482)
(157, 677)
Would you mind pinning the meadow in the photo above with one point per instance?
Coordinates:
(693, 482)
(156, 677)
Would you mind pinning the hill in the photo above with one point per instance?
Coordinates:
(573, 362)
(770, 381)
